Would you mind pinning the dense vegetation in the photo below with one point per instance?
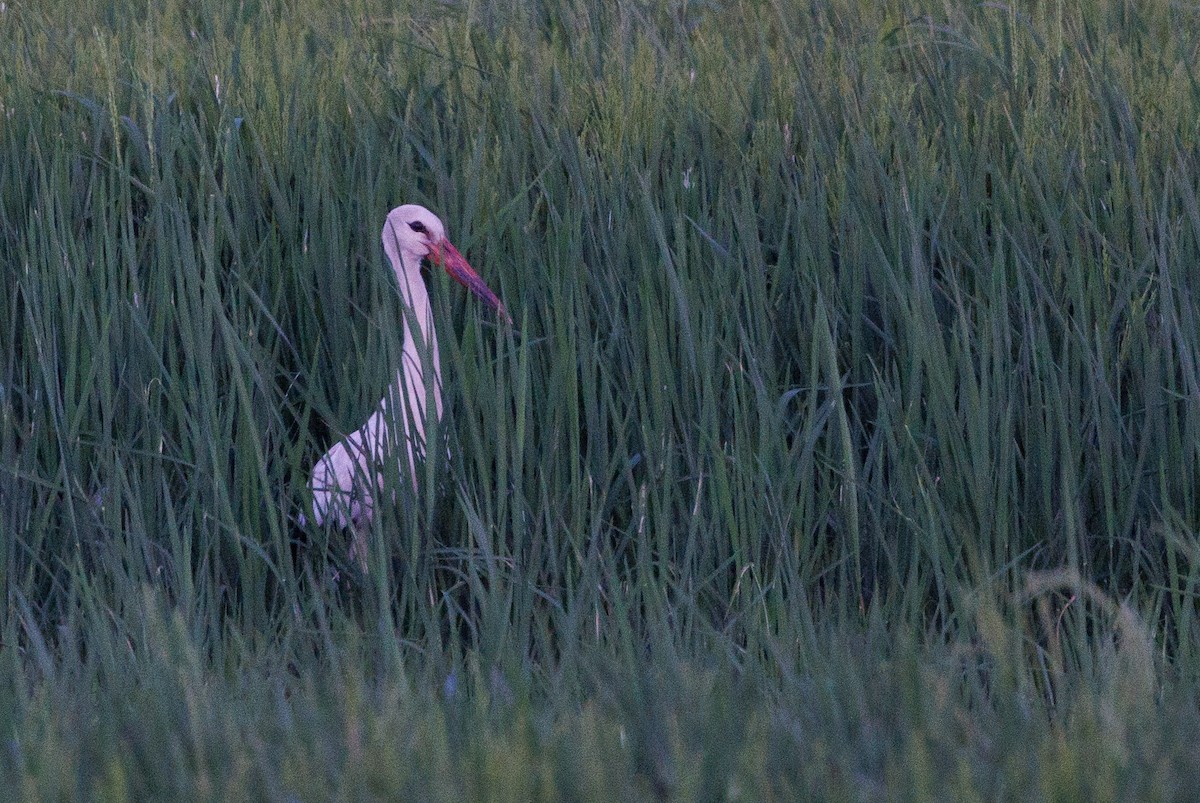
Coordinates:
(846, 442)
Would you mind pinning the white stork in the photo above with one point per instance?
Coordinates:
(346, 478)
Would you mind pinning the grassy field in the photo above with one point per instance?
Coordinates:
(846, 444)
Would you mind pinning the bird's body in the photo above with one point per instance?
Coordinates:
(347, 478)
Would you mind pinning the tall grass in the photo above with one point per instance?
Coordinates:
(845, 443)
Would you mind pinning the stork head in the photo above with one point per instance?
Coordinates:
(412, 233)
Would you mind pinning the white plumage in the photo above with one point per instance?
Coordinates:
(347, 479)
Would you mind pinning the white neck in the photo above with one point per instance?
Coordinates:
(420, 355)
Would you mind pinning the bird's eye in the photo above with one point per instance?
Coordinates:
(418, 227)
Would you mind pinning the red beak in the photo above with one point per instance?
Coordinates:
(446, 255)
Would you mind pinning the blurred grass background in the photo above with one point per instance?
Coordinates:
(846, 444)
